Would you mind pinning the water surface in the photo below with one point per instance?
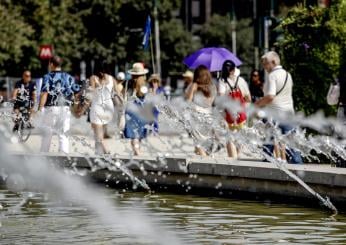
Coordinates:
(198, 220)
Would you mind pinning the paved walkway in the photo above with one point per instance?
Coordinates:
(168, 143)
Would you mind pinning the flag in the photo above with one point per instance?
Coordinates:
(147, 31)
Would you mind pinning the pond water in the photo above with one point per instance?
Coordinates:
(41, 219)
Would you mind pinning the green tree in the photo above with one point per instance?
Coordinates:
(15, 36)
(218, 32)
(55, 23)
(113, 34)
(312, 50)
(30, 23)
(175, 45)
(88, 30)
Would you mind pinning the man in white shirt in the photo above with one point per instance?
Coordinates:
(278, 87)
(278, 97)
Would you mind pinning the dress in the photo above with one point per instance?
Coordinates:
(102, 107)
(141, 118)
(202, 119)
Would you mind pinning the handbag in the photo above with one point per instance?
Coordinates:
(333, 94)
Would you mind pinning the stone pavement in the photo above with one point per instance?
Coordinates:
(168, 143)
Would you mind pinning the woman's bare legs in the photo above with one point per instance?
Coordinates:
(282, 151)
(232, 150)
(279, 151)
(100, 147)
(135, 143)
(200, 151)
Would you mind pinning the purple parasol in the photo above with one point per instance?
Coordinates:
(212, 58)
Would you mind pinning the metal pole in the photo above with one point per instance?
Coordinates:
(187, 15)
(82, 70)
(92, 63)
(8, 88)
(272, 8)
(234, 31)
(266, 34)
(157, 40)
(256, 33)
(266, 40)
(152, 54)
(207, 10)
(234, 38)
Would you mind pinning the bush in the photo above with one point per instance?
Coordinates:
(312, 50)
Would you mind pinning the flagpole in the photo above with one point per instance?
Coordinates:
(152, 54)
(157, 39)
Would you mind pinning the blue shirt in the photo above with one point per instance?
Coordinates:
(60, 87)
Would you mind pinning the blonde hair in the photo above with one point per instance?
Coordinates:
(271, 57)
(139, 82)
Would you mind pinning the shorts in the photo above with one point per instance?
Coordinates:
(285, 128)
(238, 126)
(21, 105)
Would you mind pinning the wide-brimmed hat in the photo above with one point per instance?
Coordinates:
(154, 77)
(138, 69)
(188, 74)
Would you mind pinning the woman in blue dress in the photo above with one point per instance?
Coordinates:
(140, 115)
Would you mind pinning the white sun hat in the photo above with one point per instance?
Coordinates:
(237, 72)
(121, 76)
(138, 69)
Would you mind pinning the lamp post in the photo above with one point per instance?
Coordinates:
(256, 34)
(234, 31)
(157, 39)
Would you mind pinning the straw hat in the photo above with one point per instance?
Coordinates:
(138, 69)
(188, 74)
(154, 77)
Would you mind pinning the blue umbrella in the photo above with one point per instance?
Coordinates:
(212, 58)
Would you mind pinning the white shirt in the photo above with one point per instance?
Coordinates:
(282, 102)
(224, 88)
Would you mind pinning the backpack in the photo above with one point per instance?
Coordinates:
(236, 94)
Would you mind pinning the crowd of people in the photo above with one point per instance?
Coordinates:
(105, 96)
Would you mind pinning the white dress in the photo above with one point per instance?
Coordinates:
(102, 107)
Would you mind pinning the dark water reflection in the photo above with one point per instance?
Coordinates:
(198, 220)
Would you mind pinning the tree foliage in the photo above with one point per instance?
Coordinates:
(15, 36)
(312, 50)
(217, 32)
(87, 30)
(176, 45)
